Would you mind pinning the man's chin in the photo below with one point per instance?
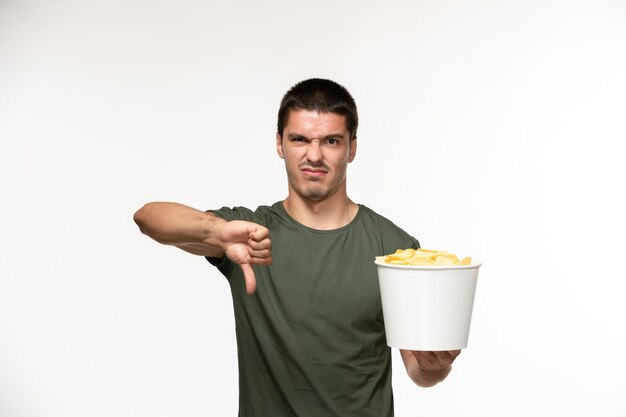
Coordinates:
(315, 195)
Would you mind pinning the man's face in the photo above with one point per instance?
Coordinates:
(316, 148)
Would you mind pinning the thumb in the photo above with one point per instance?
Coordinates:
(248, 275)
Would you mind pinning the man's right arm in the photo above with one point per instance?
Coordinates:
(204, 234)
(178, 225)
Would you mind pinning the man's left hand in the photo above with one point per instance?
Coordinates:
(427, 368)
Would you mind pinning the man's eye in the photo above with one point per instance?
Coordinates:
(332, 141)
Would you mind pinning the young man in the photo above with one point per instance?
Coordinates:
(309, 324)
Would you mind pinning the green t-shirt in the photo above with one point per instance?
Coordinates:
(311, 340)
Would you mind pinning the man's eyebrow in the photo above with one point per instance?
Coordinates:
(334, 136)
(301, 136)
(296, 135)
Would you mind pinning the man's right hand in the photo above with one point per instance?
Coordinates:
(246, 244)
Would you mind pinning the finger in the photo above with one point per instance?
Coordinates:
(425, 359)
(424, 355)
(248, 275)
(261, 261)
(258, 233)
(264, 253)
(454, 353)
(444, 358)
(258, 245)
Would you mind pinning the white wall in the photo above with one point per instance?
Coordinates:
(489, 128)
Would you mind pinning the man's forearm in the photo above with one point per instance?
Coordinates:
(185, 227)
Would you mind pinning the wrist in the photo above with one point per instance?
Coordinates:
(212, 231)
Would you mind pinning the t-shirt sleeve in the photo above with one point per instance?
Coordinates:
(402, 236)
(397, 238)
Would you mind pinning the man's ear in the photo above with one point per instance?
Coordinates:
(352, 149)
(279, 145)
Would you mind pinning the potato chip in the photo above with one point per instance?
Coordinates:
(424, 253)
(403, 254)
(423, 257)
(447, 260)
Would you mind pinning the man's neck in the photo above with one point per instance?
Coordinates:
(328, 214)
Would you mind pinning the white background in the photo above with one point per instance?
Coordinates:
(489, 128)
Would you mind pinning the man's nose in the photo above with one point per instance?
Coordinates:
(314, 151)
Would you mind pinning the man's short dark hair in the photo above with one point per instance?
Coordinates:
(322, 96)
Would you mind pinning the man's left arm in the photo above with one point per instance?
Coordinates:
(428, 368)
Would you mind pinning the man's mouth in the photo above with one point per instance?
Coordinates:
(313, 172)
